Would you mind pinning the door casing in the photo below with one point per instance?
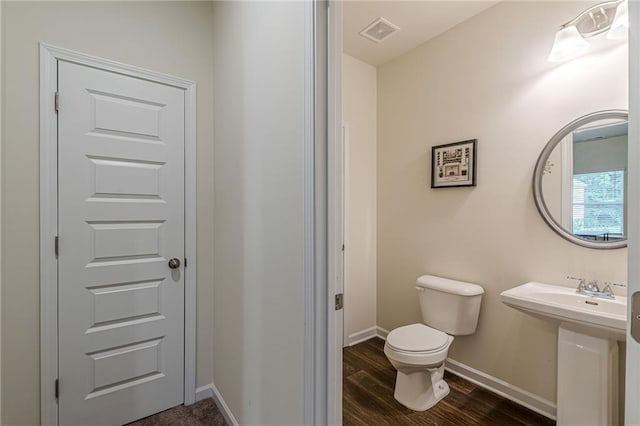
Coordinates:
(632, 380)
(49, 55)
(335, 323)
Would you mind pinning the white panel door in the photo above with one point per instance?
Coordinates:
(121, 218)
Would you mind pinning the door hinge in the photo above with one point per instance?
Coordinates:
(56, 102)
(185, 262)
(635, 316)
(343, 247)
(339, 301)
(56, 245)
(57, 388)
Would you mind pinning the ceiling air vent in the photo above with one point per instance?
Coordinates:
(379, 30)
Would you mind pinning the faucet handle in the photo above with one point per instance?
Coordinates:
(607, 290)
(581, 282)
(593, 286)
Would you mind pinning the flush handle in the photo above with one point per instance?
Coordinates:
(635, 316)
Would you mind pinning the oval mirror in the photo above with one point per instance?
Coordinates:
(580, 180)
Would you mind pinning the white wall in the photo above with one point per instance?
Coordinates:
(1, 216)
(487, 78)
(359, 104)
(170, 37)
(258, 217)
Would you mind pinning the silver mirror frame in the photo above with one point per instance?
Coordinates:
(538, 173)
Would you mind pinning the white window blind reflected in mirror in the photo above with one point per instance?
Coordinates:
(599, 205)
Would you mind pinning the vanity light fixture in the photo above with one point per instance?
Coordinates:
(611, 17)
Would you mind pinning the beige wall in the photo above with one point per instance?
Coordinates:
(258, 220)
(359, 104)
(487, 79)
(174, 38)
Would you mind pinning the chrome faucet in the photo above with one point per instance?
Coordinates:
(592, 288)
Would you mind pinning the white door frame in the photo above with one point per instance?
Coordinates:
(49, 56)
(323, 101)
(344, 217)
(632, 382)
(334, 207)
(315, 234)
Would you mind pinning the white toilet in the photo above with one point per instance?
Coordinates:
(418, 351)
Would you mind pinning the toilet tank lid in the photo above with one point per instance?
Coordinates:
(449, 286)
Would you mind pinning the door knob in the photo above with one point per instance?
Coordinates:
(174, 263)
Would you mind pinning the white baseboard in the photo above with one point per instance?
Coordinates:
(361, 336)
(204, 392)
(495, 385)
(502, 388)
(382, 333)
(210, 391)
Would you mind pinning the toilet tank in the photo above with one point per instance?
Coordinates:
(449, 305)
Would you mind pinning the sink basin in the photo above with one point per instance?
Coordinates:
(592, 315)
(588, 328)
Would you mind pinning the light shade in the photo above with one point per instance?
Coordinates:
(620, 26)
(568, 44)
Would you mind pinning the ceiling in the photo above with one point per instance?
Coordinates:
(419, 21)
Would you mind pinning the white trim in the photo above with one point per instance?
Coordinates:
(191, 244)
(315, 299)
(116, 67)
(332, 33)
(493, 384)
(382, 333)
(210, 391)
(311, 387)
(49, 55)
(344, 175)
(204, 392)
(632, 379)
(500, 387)
(223, 407)
(48, 231)
(362, 335)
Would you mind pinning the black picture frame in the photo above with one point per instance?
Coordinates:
(454, 164)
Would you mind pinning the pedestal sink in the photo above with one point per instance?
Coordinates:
(589, 328)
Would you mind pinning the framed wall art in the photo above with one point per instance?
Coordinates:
(454, 164)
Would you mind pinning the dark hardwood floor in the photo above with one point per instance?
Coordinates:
(369, 381)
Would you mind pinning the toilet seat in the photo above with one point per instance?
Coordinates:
(418, 339)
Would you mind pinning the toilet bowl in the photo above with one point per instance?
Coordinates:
(418, 351)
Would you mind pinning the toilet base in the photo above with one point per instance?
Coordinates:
(420, 390)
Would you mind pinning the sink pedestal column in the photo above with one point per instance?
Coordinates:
(587, 379)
